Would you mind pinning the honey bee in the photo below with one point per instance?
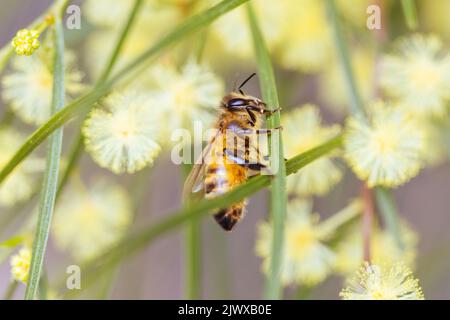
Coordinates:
(232, 155)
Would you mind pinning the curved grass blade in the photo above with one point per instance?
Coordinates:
(278, 199)
(410, 13)
(50, 185)
(356, 104)
(7, 51)
(77, 145)
(140, 239)
(384, 198)
(85, 102)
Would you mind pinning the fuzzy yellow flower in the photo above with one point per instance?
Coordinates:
(28, 87)
(20, 264)
(19, 185)
(384, 248)
(305, 258)
(190, 94)
(354, 11)
(381, 282)
(102, 13)
(26, 42)
(302, 130)
(385, 150)
(436, 132)
(232, 29)
(123, 136)
(90, 220)
(433, 19)
(418, 75)
(332, 86)
(307, 42)
(154, 20)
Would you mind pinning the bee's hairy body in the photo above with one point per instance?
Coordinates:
(222, 175)
(231, 156)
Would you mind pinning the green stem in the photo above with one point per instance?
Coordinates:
(11, 290)
(356, 104)
(43, 286)
(77, 147)
(388, 209)
(389, 213)
(74, 156)
(193, 259)
(192, 253)
(339, 219)
(7, 118)
(138, 187)
(202, 45)
(193, 243)
(410, 13)
(108, 283)
(120, 42)
(222, 271)
(273, 289)
(8, 51)
(304, 292)
(85, 102)
(50, 184)
(141, 238)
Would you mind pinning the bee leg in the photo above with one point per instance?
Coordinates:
(257, 172)
(268, 112)
(268, 131)
(267, 158)
(252, 117)
(258, 131)
(243, 162)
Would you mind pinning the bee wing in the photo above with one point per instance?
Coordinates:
(243, 149)
(195, 179)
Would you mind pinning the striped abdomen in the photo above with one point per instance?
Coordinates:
(220, 178)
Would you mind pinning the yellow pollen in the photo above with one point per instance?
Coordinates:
(185, 94)
(378, 295)
(45, 80)
(26, 42)
(425, 75)
(385, 141)
(300, 240)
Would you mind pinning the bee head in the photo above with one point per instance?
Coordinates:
(236, 101)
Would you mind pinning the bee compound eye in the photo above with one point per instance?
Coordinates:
(237, 102)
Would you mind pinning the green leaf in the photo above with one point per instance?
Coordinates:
(77, 146)
(12, 242)
(85, 102)
(10, 290)
(410, 13)
(273, 289)
(141, 238)
(389, 213)
(356, 104)
(193, 247)
(120, 42)
(50, 185)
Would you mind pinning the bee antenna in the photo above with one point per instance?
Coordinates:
(245, 81)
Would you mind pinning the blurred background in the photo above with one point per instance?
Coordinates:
(230, 267)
